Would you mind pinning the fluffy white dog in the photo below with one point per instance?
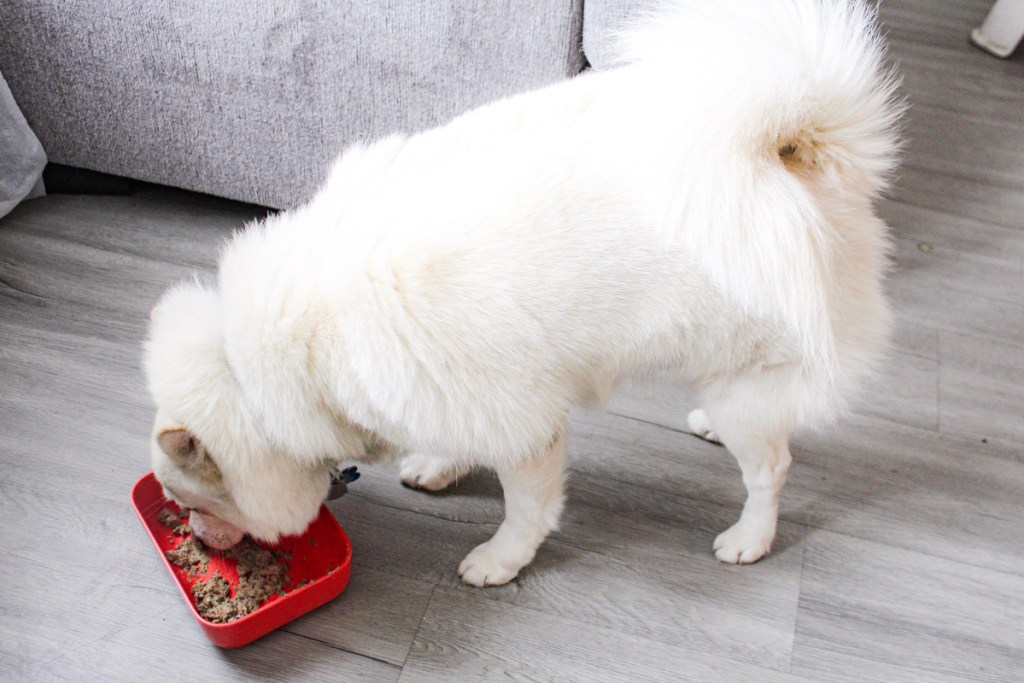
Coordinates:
(447, 297)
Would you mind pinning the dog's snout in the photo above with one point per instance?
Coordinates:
(215, 532)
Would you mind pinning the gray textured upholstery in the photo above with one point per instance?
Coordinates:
(252, 100)
(21, 156)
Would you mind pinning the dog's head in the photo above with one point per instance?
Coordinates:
(208, 450)
(193, 480)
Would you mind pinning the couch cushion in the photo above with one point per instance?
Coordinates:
(22, 161)
(252, 100)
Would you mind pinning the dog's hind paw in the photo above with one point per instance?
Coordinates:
(700, 425)
(743, 543)
(428, 473)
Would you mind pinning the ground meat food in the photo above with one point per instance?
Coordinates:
(168, 518)
(176, 522)
(261, 574)
(190, 555)
(213, 599)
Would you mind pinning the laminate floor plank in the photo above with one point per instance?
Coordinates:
(884, 613)
(464, 638)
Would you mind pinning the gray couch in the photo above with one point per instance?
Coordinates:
(252, 100)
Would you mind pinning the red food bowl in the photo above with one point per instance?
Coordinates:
(322, 557)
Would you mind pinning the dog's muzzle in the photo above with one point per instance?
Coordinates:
(214, 531)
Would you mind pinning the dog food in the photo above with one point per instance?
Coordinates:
(261, 573)
(213, 599)
(177, 523)
(190, 555)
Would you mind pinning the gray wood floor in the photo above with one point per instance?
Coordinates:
(901, 549)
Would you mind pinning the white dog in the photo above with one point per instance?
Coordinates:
(705, 208)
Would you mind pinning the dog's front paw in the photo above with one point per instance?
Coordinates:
(745, 542)
(488, 565)
(427, 473)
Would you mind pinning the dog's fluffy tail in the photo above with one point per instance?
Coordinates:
(810, 74)
(792, 115)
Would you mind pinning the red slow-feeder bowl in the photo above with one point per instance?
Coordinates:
(322, 556)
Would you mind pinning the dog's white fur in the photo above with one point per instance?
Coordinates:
(705, 208)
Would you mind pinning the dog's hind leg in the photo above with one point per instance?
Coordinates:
(533, 503)
(429, 473)
(764, 462)
(700, 425)
(752, 431)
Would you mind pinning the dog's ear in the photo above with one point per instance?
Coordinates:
(179, 444)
